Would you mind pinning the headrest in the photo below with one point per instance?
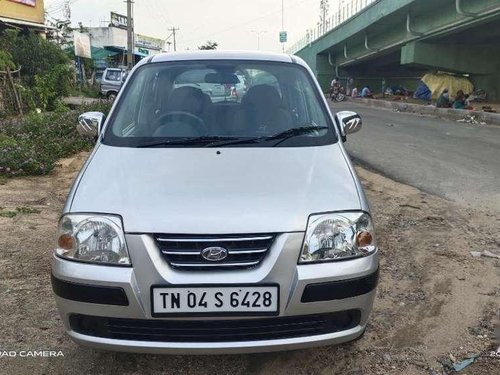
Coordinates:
(262, 96)
(187, 99)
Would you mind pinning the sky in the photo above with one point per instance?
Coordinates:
(233, 24)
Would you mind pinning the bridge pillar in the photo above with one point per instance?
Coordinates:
(324, 71)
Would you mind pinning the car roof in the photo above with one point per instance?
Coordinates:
(221, 55)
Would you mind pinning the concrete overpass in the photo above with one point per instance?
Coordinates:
(400, 40)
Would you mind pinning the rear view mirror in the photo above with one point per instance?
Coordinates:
(350, 122)
(222, 78)
(90, 123)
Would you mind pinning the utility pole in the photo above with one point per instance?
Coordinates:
(67, 10)
(174, 30)
(283, 22)
(130, 36)
(258, 32)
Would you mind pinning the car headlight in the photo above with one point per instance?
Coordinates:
(338, 236)
(93, 239)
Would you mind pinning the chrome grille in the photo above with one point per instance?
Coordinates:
(243, 251)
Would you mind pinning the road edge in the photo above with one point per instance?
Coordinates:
(431, 110)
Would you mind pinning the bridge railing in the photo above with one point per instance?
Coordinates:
(348, 10)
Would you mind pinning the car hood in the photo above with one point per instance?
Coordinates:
(216, 191)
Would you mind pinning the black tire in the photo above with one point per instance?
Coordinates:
(340, 97)
(111, 96)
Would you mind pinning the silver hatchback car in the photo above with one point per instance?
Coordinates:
(201, 227)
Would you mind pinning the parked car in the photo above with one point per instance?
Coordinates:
(238, 89)
(111, 82)
(200, 226)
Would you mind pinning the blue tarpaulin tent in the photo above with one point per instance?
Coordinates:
(423, 92)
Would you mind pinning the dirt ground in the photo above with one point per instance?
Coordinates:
(435, 301)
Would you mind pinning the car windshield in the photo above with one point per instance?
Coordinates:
(220, 103)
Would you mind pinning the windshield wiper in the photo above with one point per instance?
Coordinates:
(185, 141)
(283, 136)
(237, 141)
(293, 132)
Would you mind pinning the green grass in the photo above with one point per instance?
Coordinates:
(10, 214)
(27, 210)
(19, 211)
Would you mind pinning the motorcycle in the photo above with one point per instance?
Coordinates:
(337, 94)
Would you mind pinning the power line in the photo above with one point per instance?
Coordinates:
(62, 6)
(163, 14)
(59, 4)
(55, 4)
(282, 23)
(291, 3)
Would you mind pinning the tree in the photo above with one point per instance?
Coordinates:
(6, 65)
(6, 61)
(208, 45)
(61, 34)
(46, 70)
(34, 54)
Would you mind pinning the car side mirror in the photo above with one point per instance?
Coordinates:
(90, 124)
(350, 122)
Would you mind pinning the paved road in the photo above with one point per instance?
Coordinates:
(457, 161)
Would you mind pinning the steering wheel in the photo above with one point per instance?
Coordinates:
(180, 116)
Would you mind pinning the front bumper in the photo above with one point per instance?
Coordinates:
(305, 290)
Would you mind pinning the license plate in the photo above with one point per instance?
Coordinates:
(213, 300)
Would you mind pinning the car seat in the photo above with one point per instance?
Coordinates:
(185, 99)
(262, 112)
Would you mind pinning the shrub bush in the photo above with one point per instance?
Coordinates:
(35, 55)
(49, 87)
(46, 70)
(33, 146)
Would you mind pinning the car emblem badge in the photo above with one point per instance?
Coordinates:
(214, 254)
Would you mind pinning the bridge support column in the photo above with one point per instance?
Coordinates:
(324, 70)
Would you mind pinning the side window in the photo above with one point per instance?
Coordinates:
(313, 108)
(113, 75)
(297, 102)
(128, 111)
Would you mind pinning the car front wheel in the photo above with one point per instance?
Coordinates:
(111, 96)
